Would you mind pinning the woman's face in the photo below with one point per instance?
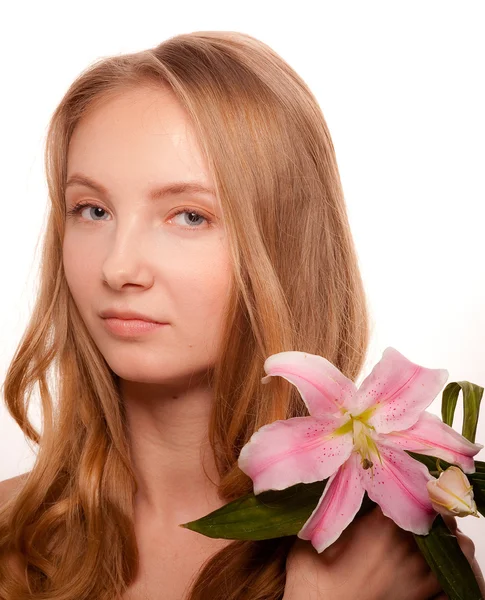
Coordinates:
(130, 251)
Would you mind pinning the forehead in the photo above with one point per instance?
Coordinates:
(139, 135)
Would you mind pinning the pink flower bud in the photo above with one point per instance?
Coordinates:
(452, 494)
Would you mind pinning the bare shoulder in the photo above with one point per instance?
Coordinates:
(8, 487)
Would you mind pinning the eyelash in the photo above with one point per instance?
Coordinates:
(80, 205)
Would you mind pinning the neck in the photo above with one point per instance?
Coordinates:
(174, 465)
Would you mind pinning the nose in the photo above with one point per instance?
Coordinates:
(128, 260)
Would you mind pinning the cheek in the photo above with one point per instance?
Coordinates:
(207, 290)
(202, 295)
(79, 272)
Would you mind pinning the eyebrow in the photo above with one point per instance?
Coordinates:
(170, 189)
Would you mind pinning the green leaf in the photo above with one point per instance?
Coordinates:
(443, 554)
(268, 515)
(472, 396)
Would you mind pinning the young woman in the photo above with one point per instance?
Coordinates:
(197, 225)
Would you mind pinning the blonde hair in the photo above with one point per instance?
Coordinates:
(297, 286)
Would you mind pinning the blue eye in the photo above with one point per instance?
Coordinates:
(79, 207)
(195, 216)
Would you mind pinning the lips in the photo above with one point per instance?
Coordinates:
(127, 315)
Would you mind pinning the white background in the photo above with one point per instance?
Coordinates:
(401, 87)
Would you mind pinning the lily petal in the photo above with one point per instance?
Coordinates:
(297, 450)
(398, 485)
(322, 386)
(397, 391)
(430, 436)
(337, 507)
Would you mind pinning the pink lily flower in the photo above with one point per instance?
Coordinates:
(357, 439)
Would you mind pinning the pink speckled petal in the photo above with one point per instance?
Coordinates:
(297, 450)
(397, 391)
(337, 507)
(322, 386)
(430, 436)
(399, 487)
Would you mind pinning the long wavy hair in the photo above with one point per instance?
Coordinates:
(67, 533)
